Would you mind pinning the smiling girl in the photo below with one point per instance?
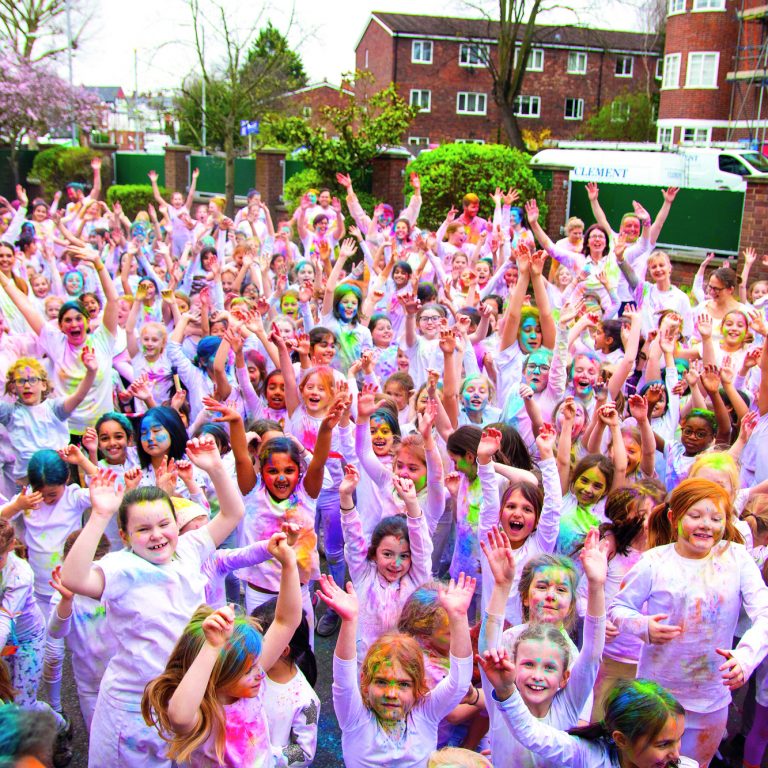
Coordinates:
(695, 581)
(150, 588)
(389, 567)
(34, 421)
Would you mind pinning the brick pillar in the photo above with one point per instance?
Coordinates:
(388, 174)
(177, 167)
(270, 173)
(557, 195)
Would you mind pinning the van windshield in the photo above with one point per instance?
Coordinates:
(757, 161)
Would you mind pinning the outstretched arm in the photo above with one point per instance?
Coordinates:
(192, 187)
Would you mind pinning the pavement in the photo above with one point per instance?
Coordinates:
(328, 753)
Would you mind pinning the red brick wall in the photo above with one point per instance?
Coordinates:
(388, 174)
(322, 96)
(700, 31)
(445, 78)
(557, 202)
(269, 179)
(380, 46)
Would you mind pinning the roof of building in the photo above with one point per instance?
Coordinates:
(322, 84)
(108, 94)
(407, 24)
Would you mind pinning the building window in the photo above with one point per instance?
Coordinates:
(619, 112)
(306, 112)
(469, 141)
(624, 66)
(702, 70)
(577, 63)
(671, 71)
(365, 66)
(418, 141)
(694, 135)
(422, 100)
(421, 52)
(708, 5)
(473, 55)
(574, 109)
(528, 106)
(535, 61)
(659, 68)
(676, 6)
(471, 103)
(664, 136)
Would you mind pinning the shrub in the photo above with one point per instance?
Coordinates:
(452, 170)
(133, 197)
(57, 166)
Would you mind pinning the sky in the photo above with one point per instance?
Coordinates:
(156, 35)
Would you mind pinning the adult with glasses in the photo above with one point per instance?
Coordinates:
(717, 296)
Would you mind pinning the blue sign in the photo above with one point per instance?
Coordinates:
(248, 127)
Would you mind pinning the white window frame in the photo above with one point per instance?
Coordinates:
(671, 75)
(625, 57)
(705, 139)
(479, 98)
(418, 141)
(532, 102)
(675, 6)
(421, 59)
(418, 101)
(580, 56)
(691, 68)
(659, 68)
(704, 6)
(469, 141)
(481, 53)
(306, 112)
(578, 112)
(533, 54)
(616, 117)
(665, 136)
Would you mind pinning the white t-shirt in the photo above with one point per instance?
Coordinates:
(31, 428)
(148, 607)
(69, 371)
(46, 529)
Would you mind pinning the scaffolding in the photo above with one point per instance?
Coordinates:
(749, 77)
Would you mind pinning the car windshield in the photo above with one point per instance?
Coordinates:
(757, 161)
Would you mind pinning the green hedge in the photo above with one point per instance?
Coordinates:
(57, 166)
(452, 170)
(134, 197)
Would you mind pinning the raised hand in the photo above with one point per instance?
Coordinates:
(490, 444)
(349, 481)
(710, 379)
(498, 553)
(452, 482)
(594, 558)
(545, 441)
(608, 415)
(56, 583)
(592, 191)
(366, 401)
(344, 603)
(405, 489)
(203, 453)
(104, 500)
(638, 408)
(456, 596)
(425, 421)
(344, 180)
(132, 478)
(71, 454)
(499, 668)
(532, 211)
(219, 626)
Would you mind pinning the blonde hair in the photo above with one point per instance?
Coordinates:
(233, 662)
(572, 223)
(719, 461)
(159, 327)
(457, 757)
(33, 364)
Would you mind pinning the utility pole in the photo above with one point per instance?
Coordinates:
(136, 96)
(203, 93)
(71, 77)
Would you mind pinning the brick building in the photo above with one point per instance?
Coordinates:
(715, 70)
(437, 63)
(306, 102)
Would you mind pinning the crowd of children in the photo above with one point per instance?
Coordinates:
(535, 478)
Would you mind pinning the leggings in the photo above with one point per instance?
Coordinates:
(757, 738)
(703, 734)
(328, 515)
(54, 657)
(26, 667)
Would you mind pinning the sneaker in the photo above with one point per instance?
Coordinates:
(329, 624)
(62, 749)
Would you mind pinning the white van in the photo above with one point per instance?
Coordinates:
(655, 165)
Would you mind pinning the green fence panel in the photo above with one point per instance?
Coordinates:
(543, 177)
(212, 174)
(700, 218)
(292, 167)
(133, 167)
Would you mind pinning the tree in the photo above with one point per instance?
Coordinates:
(352, 135)
(515, 31)
(450, 171)
(629, 117)
(245, 85)
(28, 25)
(33, 100)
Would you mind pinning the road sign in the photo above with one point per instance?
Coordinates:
(249, 127)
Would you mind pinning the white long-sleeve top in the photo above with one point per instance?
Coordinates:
(555, 747)
(542, 539)
(704, 598)
(224, 561)
(88, 637)
(380, 600)
(566, 706)
(20, 616)
(366, 745)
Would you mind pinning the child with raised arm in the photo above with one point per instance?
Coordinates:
(151, 588)
(386, 714)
